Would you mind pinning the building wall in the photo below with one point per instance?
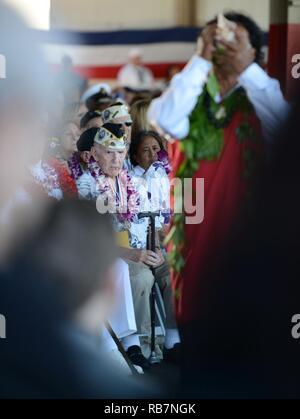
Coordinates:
(97, 15)
(103, 61)
(257, 9)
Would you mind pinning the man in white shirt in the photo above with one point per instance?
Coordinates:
(134, 74)
(171, 111)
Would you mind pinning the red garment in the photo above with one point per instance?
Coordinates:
(66, 181)
(224, 192)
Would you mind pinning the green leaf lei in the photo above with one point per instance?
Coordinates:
(205, 142)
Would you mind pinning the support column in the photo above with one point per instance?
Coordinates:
(284, 42)
(278, 40)
(293, 48)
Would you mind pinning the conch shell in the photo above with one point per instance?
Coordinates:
(226, 28)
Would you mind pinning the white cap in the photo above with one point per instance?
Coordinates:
(135, 52)
(95, 88)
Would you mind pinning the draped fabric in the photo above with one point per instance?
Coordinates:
(227, 184)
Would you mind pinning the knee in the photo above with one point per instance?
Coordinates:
(147, 278)
(141, 277)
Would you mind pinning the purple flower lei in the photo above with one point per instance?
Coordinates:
(74, 164)
(133, 201)
(163, 161)
(133, 198)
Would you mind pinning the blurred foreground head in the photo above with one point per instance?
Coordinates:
(55, 294)
(21, 92)
(74, 246)
(22, 116)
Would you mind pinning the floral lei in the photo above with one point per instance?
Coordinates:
(126, 209)
(75, 166)
(205, 142)
(163, 161)
(45, 180)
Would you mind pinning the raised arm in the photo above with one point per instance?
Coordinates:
(170, 112)
(263, 91)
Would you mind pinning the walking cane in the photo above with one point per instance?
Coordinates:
(153, 359)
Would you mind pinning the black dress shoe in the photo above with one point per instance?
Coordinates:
(173, 355)
(137, 358)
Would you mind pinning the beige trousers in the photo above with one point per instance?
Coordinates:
(142, 279)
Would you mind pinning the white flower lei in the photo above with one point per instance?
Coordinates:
(45, 176)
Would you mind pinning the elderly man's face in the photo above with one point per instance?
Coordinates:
(111, 162)
(136, 60)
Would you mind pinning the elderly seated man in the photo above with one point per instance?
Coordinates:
(118, 113)
(110, 184)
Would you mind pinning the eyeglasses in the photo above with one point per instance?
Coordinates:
(128, 124)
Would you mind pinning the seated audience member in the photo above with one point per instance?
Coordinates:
(80, 161)
(112, 187)
(138, 112)
(91, 119)
(99, 101)
(52, 173)
(134, 74)
(74, 111)
(98, 97)
(118, 113)
(150, 162)
(103, 185)
(82, 175)
(124, 94)
(94, 89)
(90, 146)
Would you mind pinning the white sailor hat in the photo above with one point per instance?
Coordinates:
(94, 89)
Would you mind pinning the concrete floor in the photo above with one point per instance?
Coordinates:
(166, 376)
